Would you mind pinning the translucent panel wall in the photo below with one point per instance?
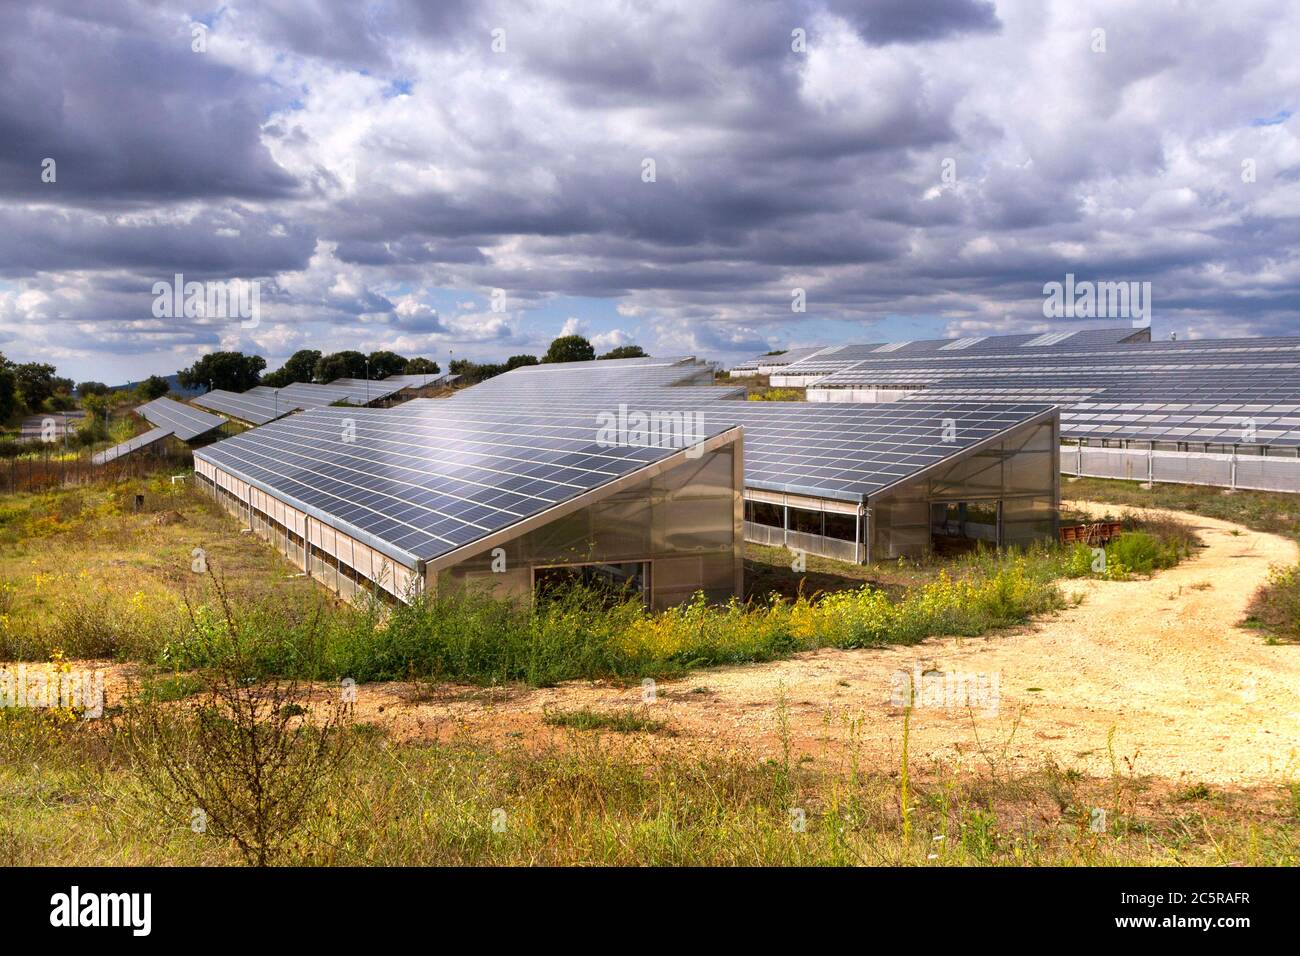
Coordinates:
(1017, 475)
(334, 558)
(685, 521)
(1254, 471)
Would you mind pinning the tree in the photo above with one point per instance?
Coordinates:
(420, 366)
(62, 398)
(347, 364)
(570, 348)
(515, 361)
(233, 371)
(155, 386)
(471, 372)
(625, 351)
(384, 364)
(300, 367)
(8, 389)
(92, 388)
(94, 427)
(36, 382)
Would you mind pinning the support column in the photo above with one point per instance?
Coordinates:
(857, 536)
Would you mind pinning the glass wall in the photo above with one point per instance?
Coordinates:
(1006, 493)
(684, 522)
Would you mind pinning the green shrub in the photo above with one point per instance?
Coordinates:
(1138, 552)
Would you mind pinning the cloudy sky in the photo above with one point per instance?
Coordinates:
(918, 167)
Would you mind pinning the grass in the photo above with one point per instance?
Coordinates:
(87, 575)
(620, 722)
(168, 688)
(1275, 610)
(1273, 512)
(68, 796)
(776, 395)
(85, 572)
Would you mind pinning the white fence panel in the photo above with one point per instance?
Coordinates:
(1253, 472)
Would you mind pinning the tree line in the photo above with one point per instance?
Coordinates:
(238, 372)
(31, 388)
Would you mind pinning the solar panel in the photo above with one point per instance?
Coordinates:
(185, 421)
(846, 451)
(364, 391)
(129, 446)
(252, 407)
(311, 395)
(608, 364)
(829, 360)
(263, 404)
(1088, 366)
(417, 381)
(423, 478)
(428, 476)
(529, 386)
(1049, 338)
(785, 358)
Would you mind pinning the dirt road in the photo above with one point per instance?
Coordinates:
(1163, 662)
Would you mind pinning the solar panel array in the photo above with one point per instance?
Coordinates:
(851, 451)
(1201, 391)
(609, 365)
(367, 390)
(788, 357)
(263, 404)
(417, 381)
(845, 451)
(827, 359)
(186, 422)
(252, 407)
(542, 385)
(423, 478)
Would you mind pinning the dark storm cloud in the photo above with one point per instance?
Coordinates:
(917, 157)
(911, 21)
(408, 252)
(127, 111)
(207, 246)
